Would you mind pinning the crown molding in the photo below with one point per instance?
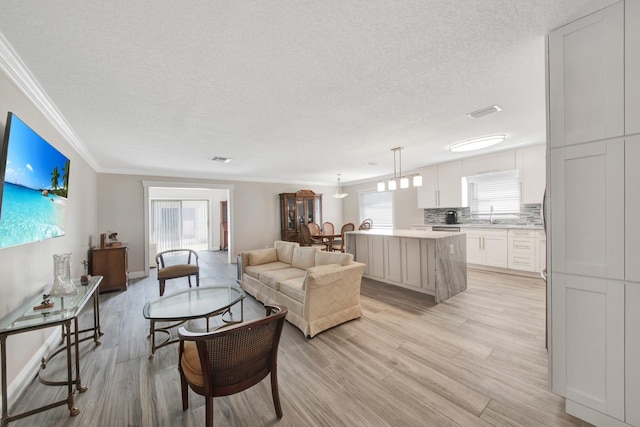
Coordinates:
(19, 74)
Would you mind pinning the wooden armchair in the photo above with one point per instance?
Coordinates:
(367, 224)
(306, 240)
(231, 359)
(168, 268)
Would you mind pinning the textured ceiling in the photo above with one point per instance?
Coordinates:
(291, 90)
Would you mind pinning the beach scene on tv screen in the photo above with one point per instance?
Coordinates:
(36, 181)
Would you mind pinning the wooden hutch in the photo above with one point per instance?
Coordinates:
(302, 207)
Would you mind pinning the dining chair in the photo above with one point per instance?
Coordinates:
(314, 228)
(171, 265)
(306, 240)
(231, 359)
(339, 245)
(327, 228)
(367, 224)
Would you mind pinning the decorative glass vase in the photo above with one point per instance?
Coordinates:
(62, 283)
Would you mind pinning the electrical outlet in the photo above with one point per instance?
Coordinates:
(451, 251)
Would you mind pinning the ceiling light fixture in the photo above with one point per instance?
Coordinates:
(403, 181)
(485, 111)
(221, 159)
(476, 143)
(340, 194)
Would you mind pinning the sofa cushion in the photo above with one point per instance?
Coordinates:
(294, 288)
(256, 270)
(304, 258)
(274, 277)
(324, 258)
(285, 250)
(263, 256)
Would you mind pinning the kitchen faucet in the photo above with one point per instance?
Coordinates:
(491, 215)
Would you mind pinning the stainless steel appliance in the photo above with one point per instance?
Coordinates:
(451, 217)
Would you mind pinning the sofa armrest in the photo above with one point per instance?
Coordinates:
(330, 290)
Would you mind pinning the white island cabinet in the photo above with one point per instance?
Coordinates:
(431, 262)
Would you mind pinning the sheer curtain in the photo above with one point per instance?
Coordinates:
(179, 224)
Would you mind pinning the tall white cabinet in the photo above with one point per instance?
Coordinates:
(594, 194)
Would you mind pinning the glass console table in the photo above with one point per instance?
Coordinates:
(65, 312)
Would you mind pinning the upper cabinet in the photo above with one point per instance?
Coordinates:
(632, 64)
(495, 162)
(441, 186)
(586, 79)
(531, 164)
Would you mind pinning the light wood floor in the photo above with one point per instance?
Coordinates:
(477, 359)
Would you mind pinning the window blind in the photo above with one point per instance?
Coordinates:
(500, 191)
(378, 206)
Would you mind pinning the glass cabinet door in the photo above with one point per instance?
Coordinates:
(291, 214)
(301, 213)
(309, 212)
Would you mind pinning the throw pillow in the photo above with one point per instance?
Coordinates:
(285, 250)
(303, 258)
(263, 256)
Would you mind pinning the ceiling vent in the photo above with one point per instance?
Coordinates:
(484, 112)
(221, 159)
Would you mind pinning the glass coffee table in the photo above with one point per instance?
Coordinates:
(194, 303)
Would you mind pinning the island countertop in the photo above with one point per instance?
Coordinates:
(419, 234)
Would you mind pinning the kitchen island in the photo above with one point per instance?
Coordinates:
(431, 262)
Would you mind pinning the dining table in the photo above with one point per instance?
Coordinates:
(326, 239)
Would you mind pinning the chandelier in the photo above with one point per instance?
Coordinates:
(340, 194)
(399, 180)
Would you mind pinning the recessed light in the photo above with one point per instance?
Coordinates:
(221, 159)
(484, 112)
(372, 163)
(477, 143)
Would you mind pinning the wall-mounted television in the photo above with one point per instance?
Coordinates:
(35, 184)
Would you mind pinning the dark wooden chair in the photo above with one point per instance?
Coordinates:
(231, 359)
(170, 265)
(367, 224)
(339, 245)
(306, 240)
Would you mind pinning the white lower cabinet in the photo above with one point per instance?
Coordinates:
(375, 252)
(487, 247)
(541, 250)
(411, 260)
(632, 353)
(522, 250)
(588, 344)
(393, 264)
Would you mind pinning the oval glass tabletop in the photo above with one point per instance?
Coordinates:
(193, 303)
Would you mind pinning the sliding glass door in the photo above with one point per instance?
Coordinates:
(179, 224)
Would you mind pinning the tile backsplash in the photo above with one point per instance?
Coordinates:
(530, 214)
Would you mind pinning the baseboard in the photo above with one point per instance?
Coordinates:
(137, 275)
(31, 369)
(592, 416)
(504, 270)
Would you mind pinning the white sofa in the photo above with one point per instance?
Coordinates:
(320, 289)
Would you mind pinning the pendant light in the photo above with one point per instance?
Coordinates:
(398, 180)
(340, 194)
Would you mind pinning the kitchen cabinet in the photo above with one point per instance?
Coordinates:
(593, 283)
(489, 163)
(112, 264)
(541, 250)
(522, 249)
(302, 207)
(392, 256)
(632, 67)
(588, 343)
(632, 354)
(441, 186)
(587, 209)
(586, 78)
(376, 256)
(487, 247)
(531, 164)
(410, 256)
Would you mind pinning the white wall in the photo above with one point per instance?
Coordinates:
(27, 270)
(255, 215)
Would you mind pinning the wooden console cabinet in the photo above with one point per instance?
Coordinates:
(112, 264)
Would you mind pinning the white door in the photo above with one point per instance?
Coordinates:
(632, 353)
(588, 342)
(632, 207)
(587, 209)
(586, 78)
